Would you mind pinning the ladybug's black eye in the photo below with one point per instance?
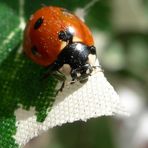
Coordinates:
(38, 23)
(34, 50)
(92, 49)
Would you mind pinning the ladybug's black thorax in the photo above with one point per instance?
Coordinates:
(74, 54)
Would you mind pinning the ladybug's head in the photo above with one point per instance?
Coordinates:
(76, 55)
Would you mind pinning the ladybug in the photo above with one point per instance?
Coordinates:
(54, 37)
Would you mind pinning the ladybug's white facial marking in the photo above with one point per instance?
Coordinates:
(78, 75)
(92, 59)
(65, 69)
(88, 71)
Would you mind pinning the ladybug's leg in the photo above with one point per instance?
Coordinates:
(85, 71)
(66, 36)
(62, 87)
(82, 73)
(53, 70)
(98, 66)
(73, 75)
(56, 74)
(60, 76)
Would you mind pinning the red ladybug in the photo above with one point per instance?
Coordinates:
(54, 37)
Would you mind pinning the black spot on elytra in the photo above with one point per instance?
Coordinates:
(34, 50)
(38, 23)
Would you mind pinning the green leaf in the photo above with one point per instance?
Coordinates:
(9, 39)
(20, 78)
(9, 31)
(21, 84)
(7, 129)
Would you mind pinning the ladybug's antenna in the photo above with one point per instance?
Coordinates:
(82, 12)
(43, 5)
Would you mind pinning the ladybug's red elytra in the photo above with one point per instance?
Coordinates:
(54, 37)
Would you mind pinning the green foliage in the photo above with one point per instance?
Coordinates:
(21, 84)
(99, 14)
(7, 129)
(36, 4)
(10, 31)
(93, 134)
(20, 79)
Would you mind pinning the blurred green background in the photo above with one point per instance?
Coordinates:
(120, 29)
